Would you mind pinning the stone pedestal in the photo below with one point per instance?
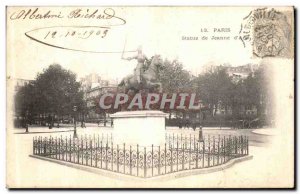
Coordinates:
(144, 128)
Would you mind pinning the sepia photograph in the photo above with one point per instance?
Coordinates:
(150, 97)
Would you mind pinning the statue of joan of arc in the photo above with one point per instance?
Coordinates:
(140, 67)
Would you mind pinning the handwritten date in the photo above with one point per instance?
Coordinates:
(83, 34)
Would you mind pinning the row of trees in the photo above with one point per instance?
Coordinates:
(56, 91)
(216, 88)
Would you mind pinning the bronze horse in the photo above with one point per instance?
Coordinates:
(149, 78)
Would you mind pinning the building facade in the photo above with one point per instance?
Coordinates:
(93, 86)
(18, 83)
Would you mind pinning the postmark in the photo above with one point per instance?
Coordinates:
(269, 32)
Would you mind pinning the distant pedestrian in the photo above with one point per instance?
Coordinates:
(194, 125)
(186, 124)
(180, 123)
(83, 124)
(26, 124)
(200, 134)
(50, 121)
(26, 119)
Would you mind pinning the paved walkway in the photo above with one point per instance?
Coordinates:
(38, 130)
(266, 131)
(63, 128)
(256, 136)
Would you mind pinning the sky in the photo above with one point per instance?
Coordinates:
(158, 30)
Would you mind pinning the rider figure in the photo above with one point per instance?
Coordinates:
(141, 58)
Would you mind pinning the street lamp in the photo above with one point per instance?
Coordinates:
(200, 101)
(26, 120)
(75, 131)
(200, 127)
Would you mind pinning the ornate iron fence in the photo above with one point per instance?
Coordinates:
(141, 161)
(188, 140)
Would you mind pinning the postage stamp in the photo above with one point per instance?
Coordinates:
(270, 33)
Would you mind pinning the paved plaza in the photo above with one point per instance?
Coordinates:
(259, 148)
(257, 137)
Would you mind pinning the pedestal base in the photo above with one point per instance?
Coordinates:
(139, 127)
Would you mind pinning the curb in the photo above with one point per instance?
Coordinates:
(120, 176)
(265, 134)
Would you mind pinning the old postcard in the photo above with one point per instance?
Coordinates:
(150, 97)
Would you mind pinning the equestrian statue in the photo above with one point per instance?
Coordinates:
(145, 76)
